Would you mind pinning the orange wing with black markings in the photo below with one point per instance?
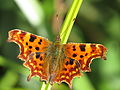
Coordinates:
(70, 70)
(32, 50)
(28, 42)
(35, 63)
(84, 53)
(54, 62)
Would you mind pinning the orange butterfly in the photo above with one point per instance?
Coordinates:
(55, 62)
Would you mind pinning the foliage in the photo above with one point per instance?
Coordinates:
(97, 22)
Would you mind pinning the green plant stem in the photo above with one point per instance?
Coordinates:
(43, 86)
(67, 25)
(46, 86)
(69, 21)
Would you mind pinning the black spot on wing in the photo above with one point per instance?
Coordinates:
(71, 61)
(30, 47)
(74, 49)
(37, 48)
(32, 38)
(73, 46)
(82, 47)
(67, 63)
(37, 54)
(74, 55)
(81, 56)
(40, 41)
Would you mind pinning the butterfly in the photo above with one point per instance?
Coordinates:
(55, 62)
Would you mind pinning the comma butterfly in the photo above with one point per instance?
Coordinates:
(52, 61)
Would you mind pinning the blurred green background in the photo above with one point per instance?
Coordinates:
(98, 21)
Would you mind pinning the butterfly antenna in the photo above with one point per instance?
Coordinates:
(58, 28)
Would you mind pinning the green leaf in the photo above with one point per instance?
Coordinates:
(8, 81)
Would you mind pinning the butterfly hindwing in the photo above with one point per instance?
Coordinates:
(84, 53)
(70, 69)
(35, 63)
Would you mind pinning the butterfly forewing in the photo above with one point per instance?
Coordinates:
(28, 42)
(84, 53)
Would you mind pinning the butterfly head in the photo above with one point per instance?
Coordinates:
(58, 40)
